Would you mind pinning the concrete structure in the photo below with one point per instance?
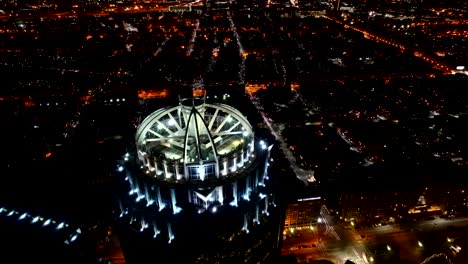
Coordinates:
(196, 189)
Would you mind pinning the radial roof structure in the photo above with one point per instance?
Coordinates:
(194, 132)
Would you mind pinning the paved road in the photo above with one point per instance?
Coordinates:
(307, 176)
(406, 244)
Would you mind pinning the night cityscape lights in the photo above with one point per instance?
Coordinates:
(212, 131)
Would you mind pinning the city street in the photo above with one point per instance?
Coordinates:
(382, 244)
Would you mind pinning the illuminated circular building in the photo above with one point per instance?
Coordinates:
(196, 189)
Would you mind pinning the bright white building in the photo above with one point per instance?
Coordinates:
(197, 180)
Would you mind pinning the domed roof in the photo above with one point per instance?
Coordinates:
(194, 132)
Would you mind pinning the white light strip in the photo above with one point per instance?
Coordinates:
(309, 199)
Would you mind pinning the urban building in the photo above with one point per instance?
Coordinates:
(195, 189)
(302, 214)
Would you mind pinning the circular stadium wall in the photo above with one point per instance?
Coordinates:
(197, 183)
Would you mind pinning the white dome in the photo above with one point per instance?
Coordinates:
(194, 136)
